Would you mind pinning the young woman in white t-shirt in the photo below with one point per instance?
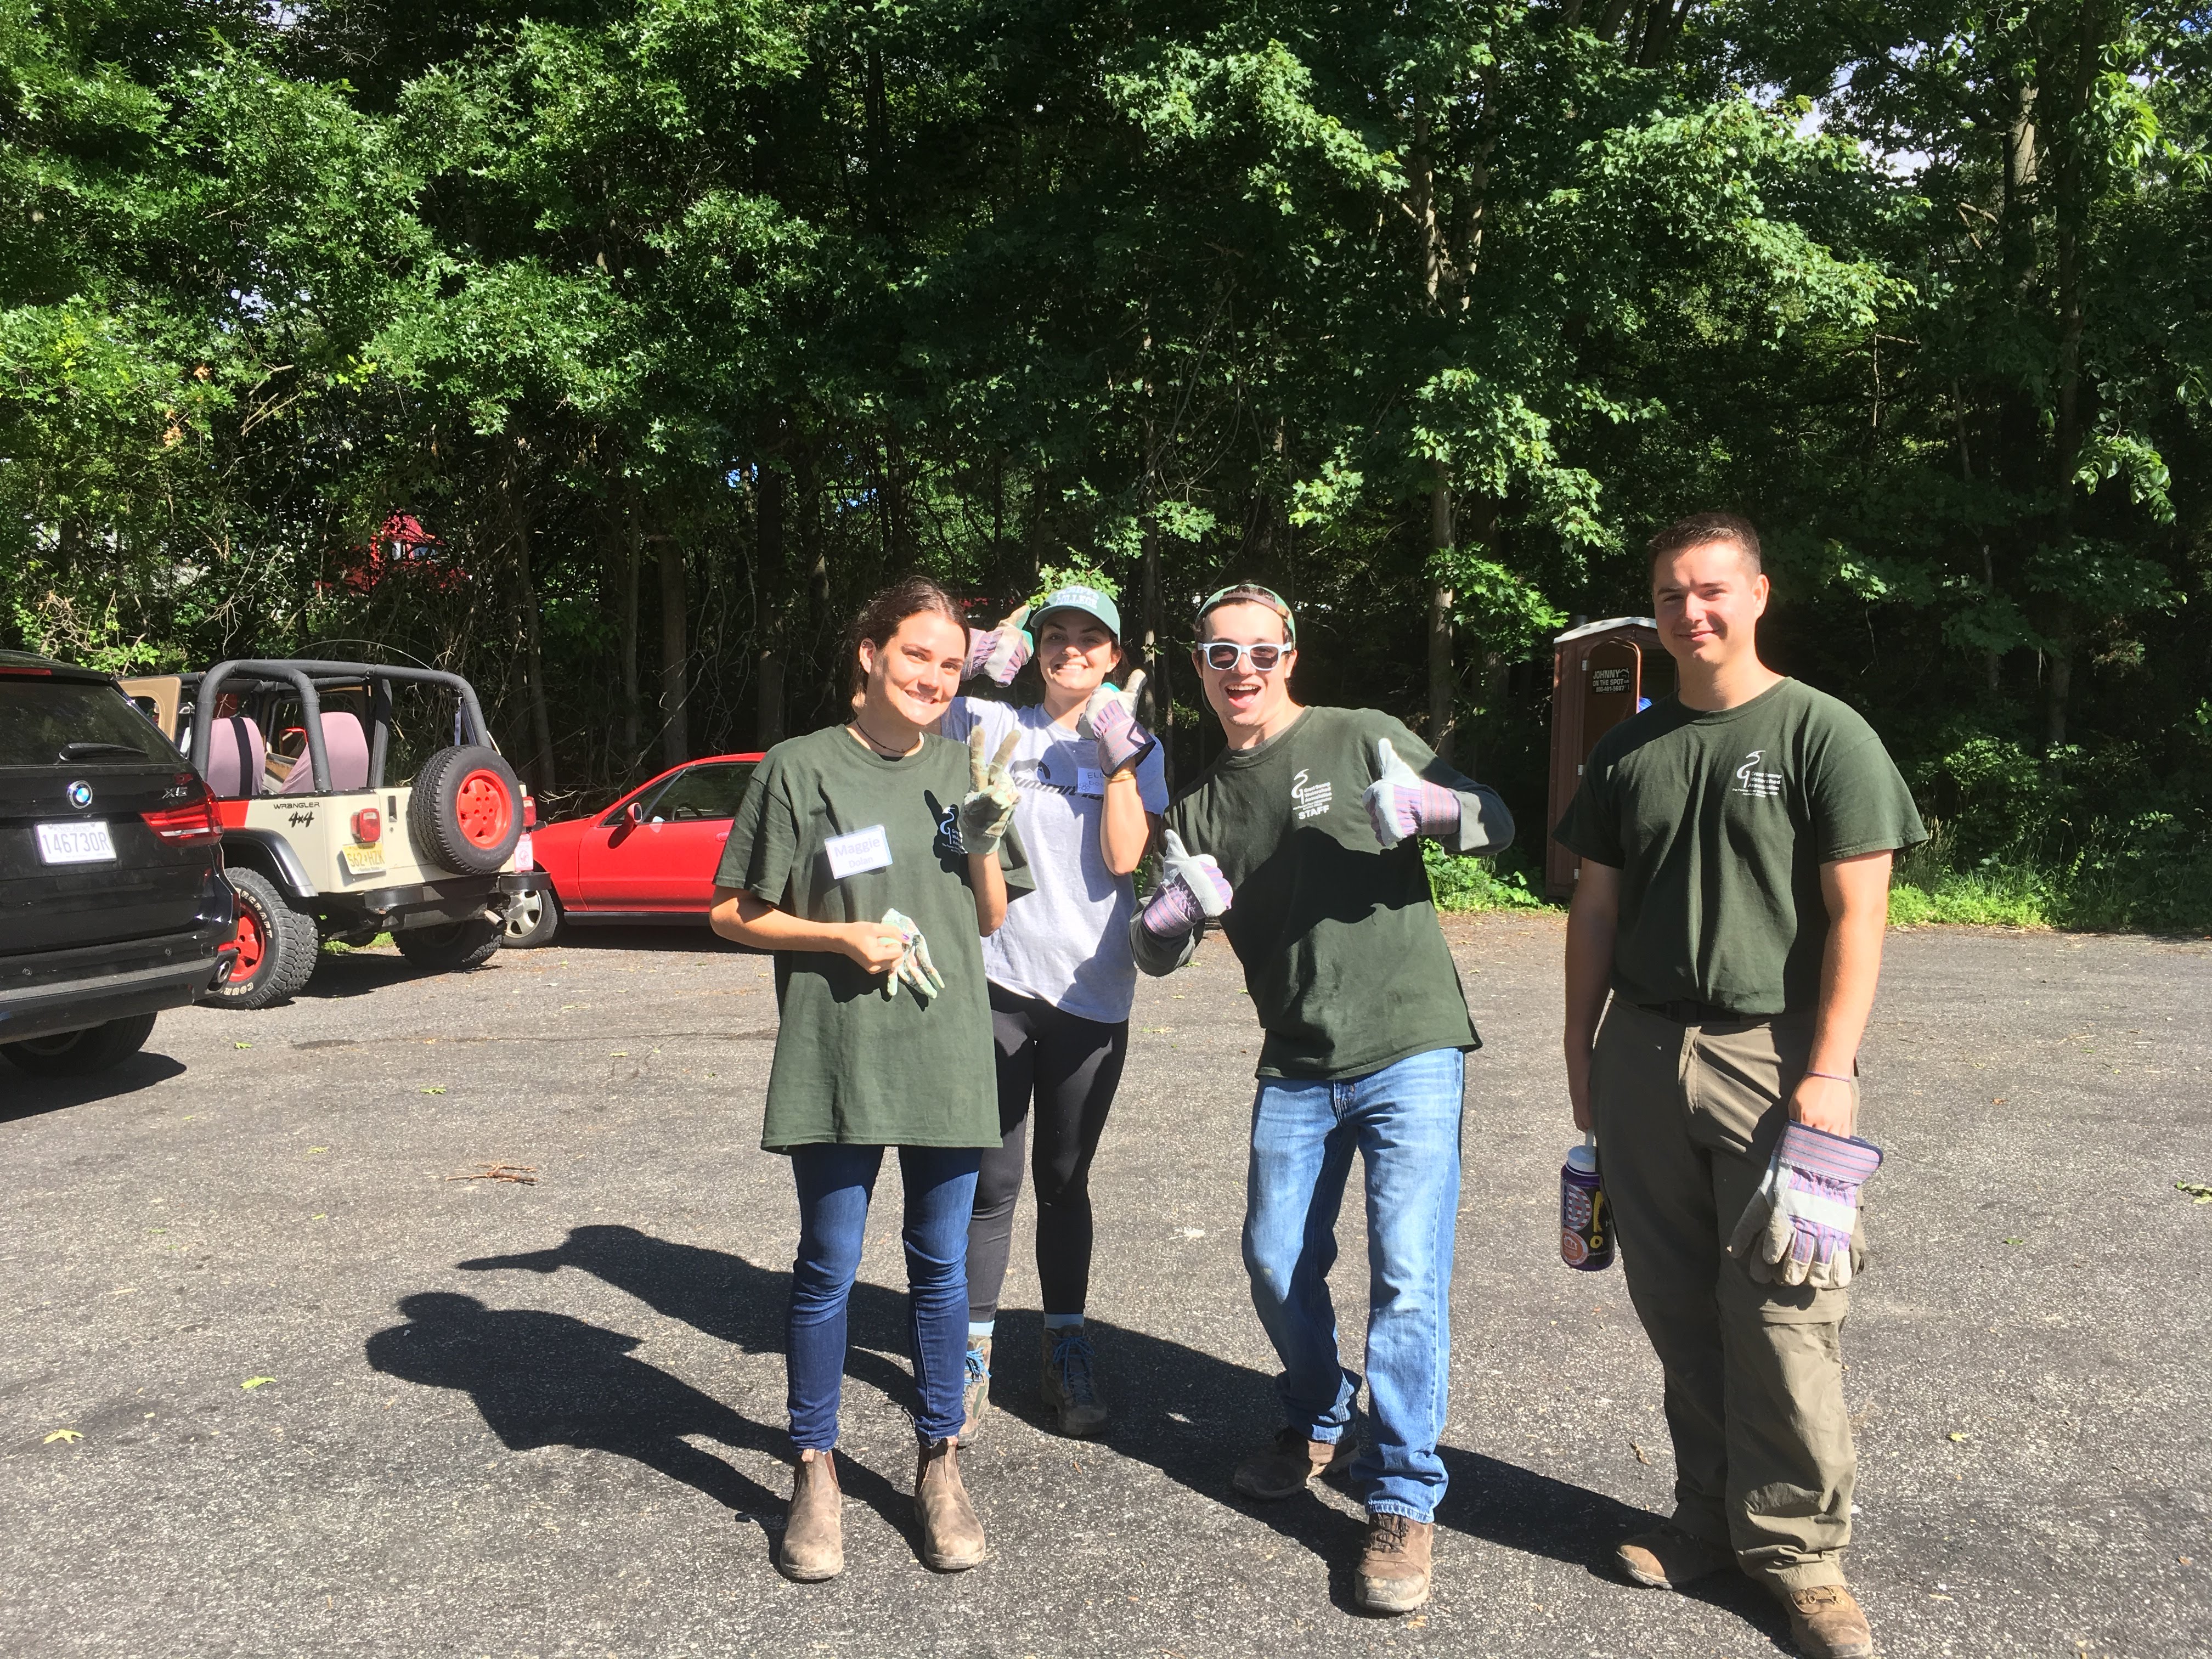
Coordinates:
(1092, 789)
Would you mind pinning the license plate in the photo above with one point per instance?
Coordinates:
(525, 857)
(75, 843)
(360, 860)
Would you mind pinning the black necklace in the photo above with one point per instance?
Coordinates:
(883, 748)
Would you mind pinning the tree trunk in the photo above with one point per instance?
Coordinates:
(631, 748)
(541, 721)
(675, 655)
(768, 568)
(1441, 680)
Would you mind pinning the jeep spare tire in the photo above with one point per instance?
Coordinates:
(466, 813)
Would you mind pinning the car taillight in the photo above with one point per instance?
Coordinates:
(368, 826)
(193, 822)
(530, 811)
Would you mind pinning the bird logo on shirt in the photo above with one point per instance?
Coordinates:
(1750, 781)
(1312, 800)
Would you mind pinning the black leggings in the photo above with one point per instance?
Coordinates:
(1072, 1066)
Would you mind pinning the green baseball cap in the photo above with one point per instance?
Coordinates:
(1088, 600)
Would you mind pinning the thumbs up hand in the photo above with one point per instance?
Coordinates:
(1109, 720)
(1401, 804)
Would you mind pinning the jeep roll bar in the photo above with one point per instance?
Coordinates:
(304, 677)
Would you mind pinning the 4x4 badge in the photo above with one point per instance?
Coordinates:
(80, 793)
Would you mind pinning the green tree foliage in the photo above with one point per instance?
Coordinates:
(610, 350)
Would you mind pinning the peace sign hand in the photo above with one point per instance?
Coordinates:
(989, 807)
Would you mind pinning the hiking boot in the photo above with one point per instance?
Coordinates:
(1667, 1557)
(1069, 1385)
(1393, 1576)
(1285, 1463)
(951, 1536)
(976, 1392)
(813, 1546)
(1826, 1623)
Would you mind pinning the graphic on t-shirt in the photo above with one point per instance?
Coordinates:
(1750, 781)
(1312, 800)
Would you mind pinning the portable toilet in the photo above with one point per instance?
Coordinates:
(1601, 673)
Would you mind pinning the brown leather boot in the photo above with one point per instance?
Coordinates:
(975, 1389)
(1394, 1571)
(951, 1535)
(1285, 1463)
(813, 1546)
(1826, 1623)
(1667, 1557)
(1069, 1384)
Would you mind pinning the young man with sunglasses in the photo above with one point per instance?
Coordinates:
(1302, 841)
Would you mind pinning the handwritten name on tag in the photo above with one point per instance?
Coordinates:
(1089, 781)
(856, 854)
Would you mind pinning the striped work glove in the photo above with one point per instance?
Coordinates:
(913, 965)
(1109, 720)
(999, 652)
(1192, 889)
(1798, 1228)
(988, 806)
(1401, 804)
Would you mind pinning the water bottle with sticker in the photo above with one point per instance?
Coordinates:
(1585, 1219)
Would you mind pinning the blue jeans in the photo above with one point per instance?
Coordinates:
(1404, 1121)
(834, 1184)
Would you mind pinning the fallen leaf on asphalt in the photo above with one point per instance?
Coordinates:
(67, 1436)
(311, 1151)
(435, 1089)
(1640, 1457)
(2197, 1191)
(1956, 1436)
(2016, 1241)
(523, 1175)
(256, 1382)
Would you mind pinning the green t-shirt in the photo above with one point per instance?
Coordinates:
(1347, 968)
(854, 1064)
(1719, 823)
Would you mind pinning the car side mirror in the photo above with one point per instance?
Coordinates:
(635, 812)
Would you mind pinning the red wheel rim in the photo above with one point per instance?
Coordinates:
(483, 807)
(252, 944)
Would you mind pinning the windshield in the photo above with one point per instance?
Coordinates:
(70, 723)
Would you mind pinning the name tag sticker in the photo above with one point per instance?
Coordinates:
(1089, 781)
(857, 853)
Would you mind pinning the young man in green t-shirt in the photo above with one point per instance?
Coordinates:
(1303, 839)
(1735, 843)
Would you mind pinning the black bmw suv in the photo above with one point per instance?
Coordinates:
(113, 900)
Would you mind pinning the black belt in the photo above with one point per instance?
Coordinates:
(1687, 1012)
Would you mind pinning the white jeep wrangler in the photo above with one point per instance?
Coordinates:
(319, 843)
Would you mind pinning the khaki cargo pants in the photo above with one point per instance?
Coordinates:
(1687, 1116)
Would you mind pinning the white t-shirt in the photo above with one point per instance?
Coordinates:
(1067, 943)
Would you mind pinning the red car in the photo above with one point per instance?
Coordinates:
(650, 857)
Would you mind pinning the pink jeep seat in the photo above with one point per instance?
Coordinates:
(347, 747)
(235, 758)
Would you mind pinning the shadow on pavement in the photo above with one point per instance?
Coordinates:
(1200, 1413)
(22, 1096)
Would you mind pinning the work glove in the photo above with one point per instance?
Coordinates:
(989, 807)
(913, 965)
(1192, 889)
(1401, 804)
(1109, 720)
(1798, 1228)
(999, 652)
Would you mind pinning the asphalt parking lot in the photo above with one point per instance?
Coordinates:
(281, 1377)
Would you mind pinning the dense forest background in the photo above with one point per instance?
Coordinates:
(611, 350)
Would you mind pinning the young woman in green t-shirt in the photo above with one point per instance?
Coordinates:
(871, 858)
